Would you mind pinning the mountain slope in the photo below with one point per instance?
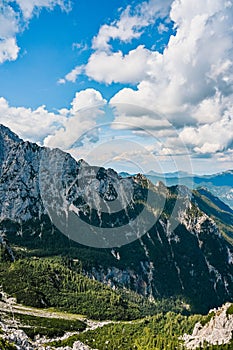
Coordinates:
(185, 252)
(219, 211)
(221, 185)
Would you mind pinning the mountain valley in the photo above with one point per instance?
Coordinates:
(85, 240)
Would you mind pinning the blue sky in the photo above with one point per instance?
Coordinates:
(157, 74)
(54, 42)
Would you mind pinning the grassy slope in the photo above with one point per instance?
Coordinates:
(161, 331)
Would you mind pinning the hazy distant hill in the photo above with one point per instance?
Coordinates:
(221, 184)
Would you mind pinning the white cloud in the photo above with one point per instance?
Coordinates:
(8, 50)
(33, 125)
(8, 21)
(131, 23)
(14, 20)
(224, 157)
(107, 66)
(72, 76)
(81, 47)
(208, 139)
(162, 28)
(86, 108)
(212, 108)
(128, 116)
(126, 29)
(85, 99)
(28, 7)
(115, 67)
(59, 129)
(191, 81)
(9, 26)
(61, 81)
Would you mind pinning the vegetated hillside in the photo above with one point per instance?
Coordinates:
(59, 283)
(163, 331)
(185, 255)
(46, 328)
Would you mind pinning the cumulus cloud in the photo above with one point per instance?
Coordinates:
(8, 50)
(141, 121)
(85, 109)
(59, 129)
(131, 23)
(208, 139)
(191, 81)
(185, 81)
(33, 125)
(14, 17)
(107, 66)
(8, 21)
(9, 26)
(183, 74)
(72, 76)
(126, 29)
(28, 7)
(116, 67)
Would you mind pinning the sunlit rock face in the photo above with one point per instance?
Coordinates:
(217, 331)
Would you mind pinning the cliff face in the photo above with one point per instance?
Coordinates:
(217, 331)
(50, 202)
(19, 186)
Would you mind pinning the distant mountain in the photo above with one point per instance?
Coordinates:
(124, 174)
(220, 184)
(185, 253)
(171, 175)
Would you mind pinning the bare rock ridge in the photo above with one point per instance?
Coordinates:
(217, 331)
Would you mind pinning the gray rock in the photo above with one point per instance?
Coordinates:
(216, 332)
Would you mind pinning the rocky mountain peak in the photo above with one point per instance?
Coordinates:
(6, 133)
(8, 140)
(217, 330)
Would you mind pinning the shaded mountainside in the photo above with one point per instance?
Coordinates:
(186, 252)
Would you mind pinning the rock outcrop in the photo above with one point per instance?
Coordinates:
(215, 332)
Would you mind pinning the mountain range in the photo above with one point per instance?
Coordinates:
(220, 184)
(126, 232)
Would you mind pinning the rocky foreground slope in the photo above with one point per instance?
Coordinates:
(214, 329)
(217, 331)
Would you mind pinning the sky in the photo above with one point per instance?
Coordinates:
(133, 85)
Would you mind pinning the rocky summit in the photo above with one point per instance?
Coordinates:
(217, 331)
